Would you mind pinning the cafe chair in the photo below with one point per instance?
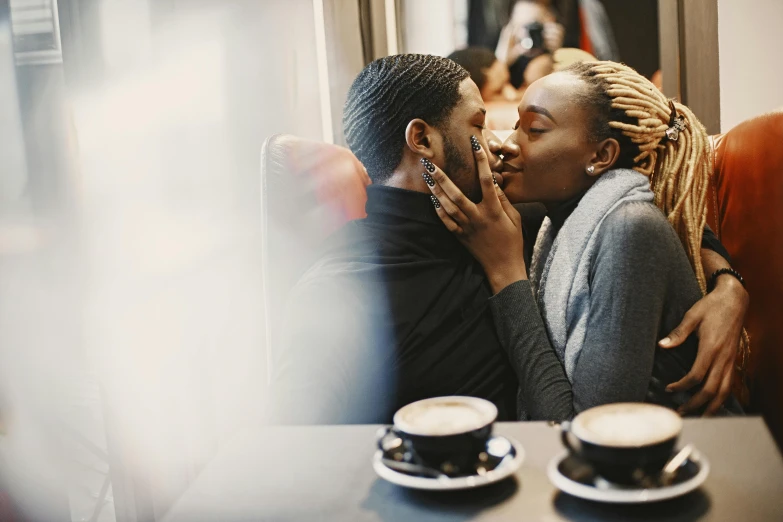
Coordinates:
(746, 212)
(308, 191)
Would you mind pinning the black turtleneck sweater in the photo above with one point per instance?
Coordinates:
(395, 310)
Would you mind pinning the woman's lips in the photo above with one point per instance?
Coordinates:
(510, 171)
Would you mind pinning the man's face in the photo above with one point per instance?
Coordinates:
(465, 120)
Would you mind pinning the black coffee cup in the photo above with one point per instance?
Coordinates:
(624, 442)
(444, 433)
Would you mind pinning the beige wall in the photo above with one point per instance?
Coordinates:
(750, 42)
(433, 26)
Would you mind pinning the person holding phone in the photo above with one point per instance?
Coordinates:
(530, 36)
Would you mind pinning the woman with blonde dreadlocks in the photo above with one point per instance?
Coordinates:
(617, 263)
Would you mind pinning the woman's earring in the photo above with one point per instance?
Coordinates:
(591, 169)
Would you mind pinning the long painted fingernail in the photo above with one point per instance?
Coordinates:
(494, 179)
(474, 142)
(435, 201)
(428, 164)
(665, 341)
(428, 179)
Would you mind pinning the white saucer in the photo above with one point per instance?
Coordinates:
(602, 491)
(507, 468)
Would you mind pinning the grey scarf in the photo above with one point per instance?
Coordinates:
(560, 268)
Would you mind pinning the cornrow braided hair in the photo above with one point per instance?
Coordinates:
(634, 112)
(387, 95)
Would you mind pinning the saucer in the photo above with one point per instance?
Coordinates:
(511, 451)
(571, 475)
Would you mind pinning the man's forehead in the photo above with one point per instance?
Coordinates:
(470, 97)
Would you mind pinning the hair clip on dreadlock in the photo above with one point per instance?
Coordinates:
(676, 124)
(673, 132)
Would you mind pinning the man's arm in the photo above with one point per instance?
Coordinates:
(709, 241)
(718, 320)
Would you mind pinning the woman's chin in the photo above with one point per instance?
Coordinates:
(515, 192)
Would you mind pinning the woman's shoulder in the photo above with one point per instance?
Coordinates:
(636, 243)
(638, 225)
(638, 217)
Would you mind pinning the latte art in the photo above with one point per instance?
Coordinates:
(444, 419)
(627, 425)
(445, 416)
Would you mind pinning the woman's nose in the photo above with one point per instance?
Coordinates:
(510, 147)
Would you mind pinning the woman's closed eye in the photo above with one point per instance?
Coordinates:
(534, 129)
(532, 125)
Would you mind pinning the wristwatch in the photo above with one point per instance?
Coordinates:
(722, 271)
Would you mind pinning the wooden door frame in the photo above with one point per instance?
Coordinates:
(688, 33)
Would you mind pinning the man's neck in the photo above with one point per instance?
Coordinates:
(407, 180)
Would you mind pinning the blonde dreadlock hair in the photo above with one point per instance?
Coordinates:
(634, 112)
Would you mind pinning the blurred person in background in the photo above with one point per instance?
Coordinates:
(533, 30)
(492, 75)
(488, 73)
(493, 80)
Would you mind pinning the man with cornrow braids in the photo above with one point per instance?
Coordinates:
(396, 309)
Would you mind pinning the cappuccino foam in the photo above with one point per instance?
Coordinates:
(445, 416)
(627, 425)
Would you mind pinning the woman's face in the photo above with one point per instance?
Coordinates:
(546, 157)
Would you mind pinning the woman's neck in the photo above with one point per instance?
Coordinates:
(560, 211)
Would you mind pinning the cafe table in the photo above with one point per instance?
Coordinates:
(325, 473)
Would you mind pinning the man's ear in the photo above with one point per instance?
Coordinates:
(420, 138)
(605, 156)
